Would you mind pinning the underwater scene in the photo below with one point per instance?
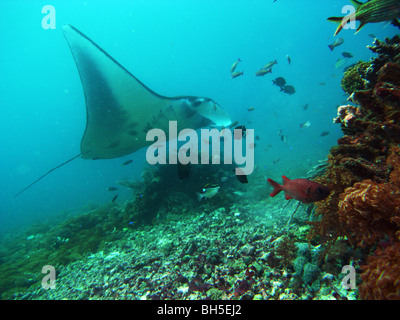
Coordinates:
(200, 150)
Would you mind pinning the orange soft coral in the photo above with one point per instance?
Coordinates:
(381, 275)
(369, 211)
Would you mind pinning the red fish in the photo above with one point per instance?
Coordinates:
(304, 190)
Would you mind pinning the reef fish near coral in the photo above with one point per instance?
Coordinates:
(304, 190)
(369, 12)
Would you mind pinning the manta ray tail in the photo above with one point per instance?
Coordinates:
(41, 177)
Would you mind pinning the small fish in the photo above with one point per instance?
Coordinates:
(282, 136)
(324, 133)
(322, 83)
(263, 72)
(279, 82)
(250, 108)
(127, 162)
(372, 35)
(305, 107)
(289, 60)
(236, 74)
(275, 161)
(270, 64)
(234, 65)
(112, 189)
(209, 191)
(369, 12)
(347, 55)
(303, 190)
(337, 43)
(288, 89)
(305, 124)
(340, 63)
(115, 198)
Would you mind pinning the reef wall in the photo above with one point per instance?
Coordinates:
(364, 172)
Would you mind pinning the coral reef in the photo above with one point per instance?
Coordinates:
(363, 169)
(370, 211)
(365, 75)
(381, 274)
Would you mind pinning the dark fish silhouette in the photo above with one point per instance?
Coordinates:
(347, 55)
(288, 89)
(324, 133)
(127, 162)
(280, 82)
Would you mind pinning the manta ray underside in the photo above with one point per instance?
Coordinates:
(121, 110)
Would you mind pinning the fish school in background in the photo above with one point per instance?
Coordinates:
(209, 138)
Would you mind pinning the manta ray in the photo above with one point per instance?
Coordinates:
(120, 109)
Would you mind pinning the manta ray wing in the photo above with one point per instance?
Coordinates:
(121, 109)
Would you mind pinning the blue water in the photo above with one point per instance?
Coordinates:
(175, 48)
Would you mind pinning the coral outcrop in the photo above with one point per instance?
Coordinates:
(381, 274)
(363, 170)
(370, 211)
